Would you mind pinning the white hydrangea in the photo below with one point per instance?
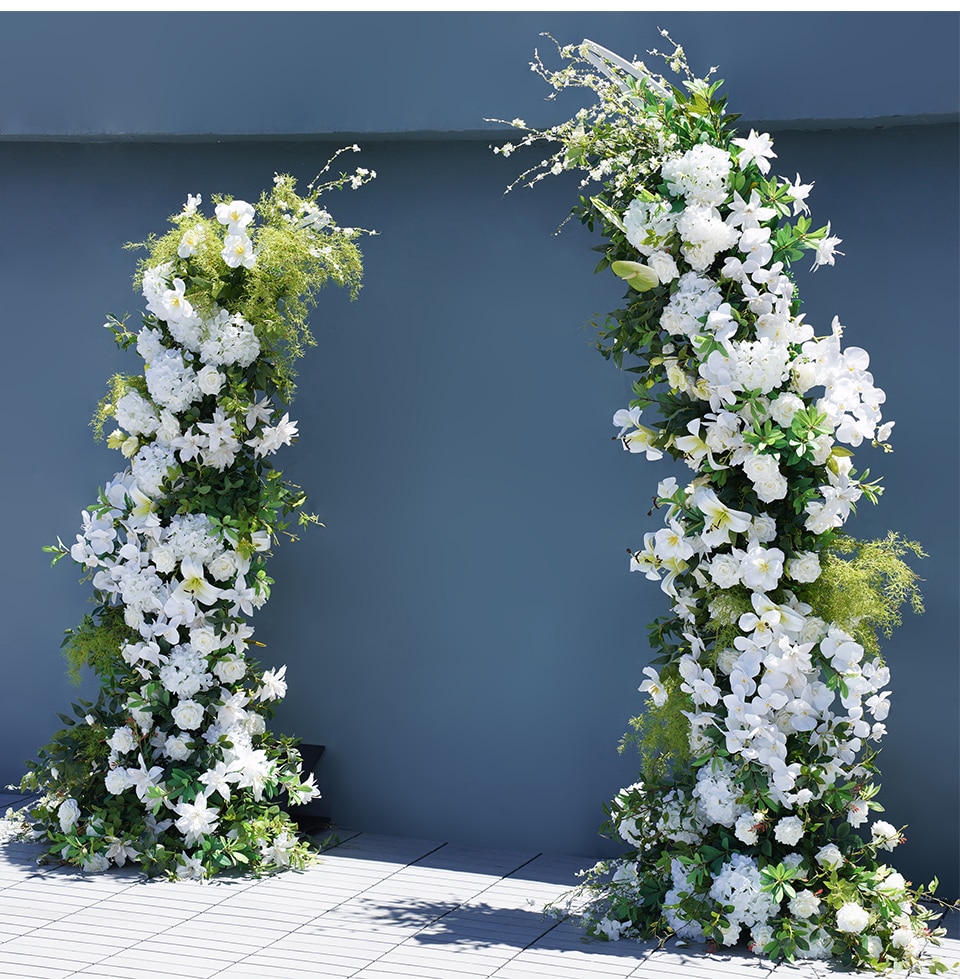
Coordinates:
(135, 414)
(716, 794)
(699, 175)
(647, 223)
(739, 884)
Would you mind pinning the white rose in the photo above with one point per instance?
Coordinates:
(771, 487)
(188, 715)
(143, 719)
(663, 264)
(254, 724)
(789, 830)
(210, 379)
(829, 856)
(892, 885)
(762, 935)
(230, 670)
(804, 375)
(852, 918)
(814, 629)
(727, 660)
(905, 938)
(768, 482)
(96, 863)
(204, 640)
(745, 828)
(177, 748)
(169, 426)
(68, 814)
(223, 566)
(163, 559)
(805, 904)
(122, 741)
(822, 448)
(725, 571)
(117, 780)
(763, 528)
(783, 408)
(805, 567)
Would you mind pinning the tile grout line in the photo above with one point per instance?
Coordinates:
(41, 875)
(245, 885)
(568, 916)
(336, 907)
(451, 911)
(140, 881)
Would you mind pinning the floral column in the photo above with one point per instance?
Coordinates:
(173, 767)
(752, 819)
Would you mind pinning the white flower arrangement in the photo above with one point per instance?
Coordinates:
(768, 692)
(173, 768)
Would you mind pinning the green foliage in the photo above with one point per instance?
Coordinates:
(726, 607)
(661, 735)
(75, 752)
(117, 386)
(277, 293)
(864, 585)
(96, 642)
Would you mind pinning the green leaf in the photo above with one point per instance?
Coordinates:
(609, 213)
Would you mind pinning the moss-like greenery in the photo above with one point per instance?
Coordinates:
(726, 607)
(864, 585)
(96, 642)
(278, 292)
(661, 734)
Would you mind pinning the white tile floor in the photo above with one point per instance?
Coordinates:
(375, 908)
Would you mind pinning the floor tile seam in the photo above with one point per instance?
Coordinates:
(770, 968)
(65, 917)
(461, 905)
(571, 919)
(408, 938)
(336, 907)
(133, 945)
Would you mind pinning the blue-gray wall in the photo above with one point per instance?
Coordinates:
(464, 635)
